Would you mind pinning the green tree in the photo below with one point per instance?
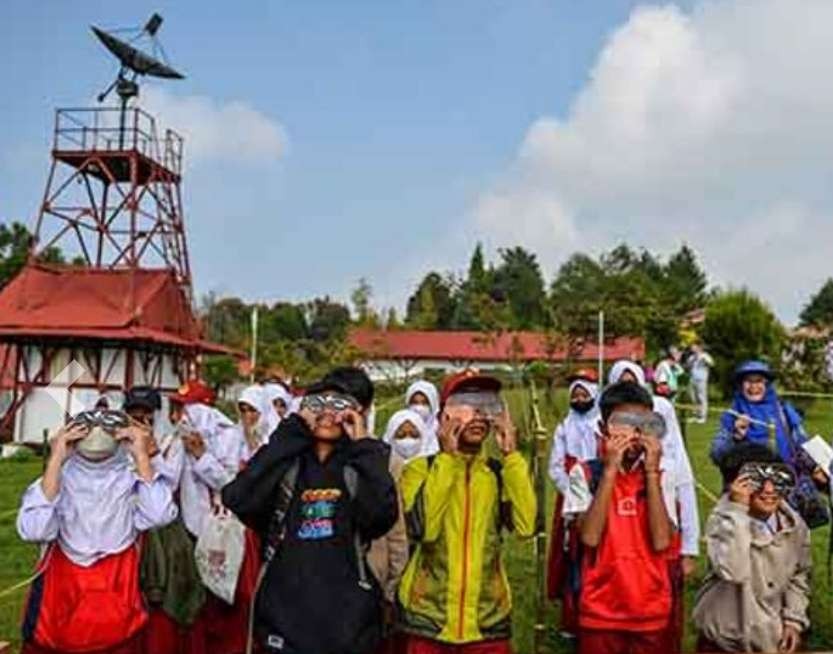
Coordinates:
(818, 312)
(478, 278)
(432, 304)
(361, 298)
(220, 372)
(328, 320)
(518, 278)
(740, 326)
(227, 320)
(684, 281)
(15, 242)
(283, 320)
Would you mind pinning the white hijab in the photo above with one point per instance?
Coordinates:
(278, 392)
(580, 428)
(423, 448)
(207, 420)
(96, 506)
(255, 397)
(430, 391)
(621, 367)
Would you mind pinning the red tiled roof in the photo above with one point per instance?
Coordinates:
(64, 302)
(480, 346)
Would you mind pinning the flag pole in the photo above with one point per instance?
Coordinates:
(253, 355)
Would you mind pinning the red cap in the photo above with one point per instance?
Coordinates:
(194, 391)
(585, 374)
(468, 380)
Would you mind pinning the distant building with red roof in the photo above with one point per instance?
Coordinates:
(401, 354)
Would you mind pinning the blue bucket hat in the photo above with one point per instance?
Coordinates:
(753, 367)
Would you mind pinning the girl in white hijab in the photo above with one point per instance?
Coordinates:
(423, 398)
(258, 420)
(213, 459)
(407, 435)
(89, 508)
(281, 404)
(575, 437)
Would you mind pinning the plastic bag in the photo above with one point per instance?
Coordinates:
(219, 553)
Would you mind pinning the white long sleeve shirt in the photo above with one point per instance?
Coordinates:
(99, 510)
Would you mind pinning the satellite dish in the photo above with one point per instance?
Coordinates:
(134, 62)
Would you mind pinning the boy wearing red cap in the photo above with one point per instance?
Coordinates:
(454, 595)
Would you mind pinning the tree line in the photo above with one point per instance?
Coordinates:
(667, 301)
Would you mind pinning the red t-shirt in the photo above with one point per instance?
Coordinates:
(625, 584)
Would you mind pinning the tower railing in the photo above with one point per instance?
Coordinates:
(107, 130)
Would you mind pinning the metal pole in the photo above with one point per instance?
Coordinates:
(44, 449)
(601, 345)
(254, 345)
(539, 467)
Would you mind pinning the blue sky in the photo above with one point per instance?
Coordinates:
(404, 129)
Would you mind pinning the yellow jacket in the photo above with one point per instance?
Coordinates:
(455, 587)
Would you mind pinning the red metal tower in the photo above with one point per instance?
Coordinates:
(113, 194)
(121, 314)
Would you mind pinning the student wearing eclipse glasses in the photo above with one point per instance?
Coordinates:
(621, 502)
(454, 595)
(756, 594)
(317, 494)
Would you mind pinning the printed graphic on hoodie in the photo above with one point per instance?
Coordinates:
(318, 508)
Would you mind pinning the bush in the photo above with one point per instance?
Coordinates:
(740, 326)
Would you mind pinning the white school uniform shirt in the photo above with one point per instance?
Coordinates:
(203, 478)
(100, 509)
(675, 461)
(575, 436)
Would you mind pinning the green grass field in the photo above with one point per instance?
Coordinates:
(17, 559)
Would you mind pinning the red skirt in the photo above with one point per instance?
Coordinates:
(164, 636)
(71, 608)
(133, 646)
(225, 626)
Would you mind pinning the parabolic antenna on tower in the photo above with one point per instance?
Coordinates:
(134, 59)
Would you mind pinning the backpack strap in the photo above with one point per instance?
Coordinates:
(351, 481)
(504, 513)
(277, 525)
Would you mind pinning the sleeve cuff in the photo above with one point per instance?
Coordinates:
(36, 497)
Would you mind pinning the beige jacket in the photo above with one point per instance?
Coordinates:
(757, 579)
(388, 555)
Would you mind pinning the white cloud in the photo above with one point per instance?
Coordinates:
(217, 131)
(713, 126)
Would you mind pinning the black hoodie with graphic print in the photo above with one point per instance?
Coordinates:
(310, 600)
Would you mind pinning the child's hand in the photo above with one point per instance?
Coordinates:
(65, 438)
(449, 436)
(506, 434)
(616, 445)
(194, 444)
(790, 638)
(741, 427)
(138, 437)
(741, 490)
(353, 423)
(653, 452)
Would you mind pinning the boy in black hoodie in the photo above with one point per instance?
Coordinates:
(317, 494)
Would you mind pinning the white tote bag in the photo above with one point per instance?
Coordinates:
(219, 552)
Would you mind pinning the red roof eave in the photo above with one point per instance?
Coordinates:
(130, 335)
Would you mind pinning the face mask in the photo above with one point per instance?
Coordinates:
(407, 448)
(582, 407)
(422, 410)
(97, 445)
